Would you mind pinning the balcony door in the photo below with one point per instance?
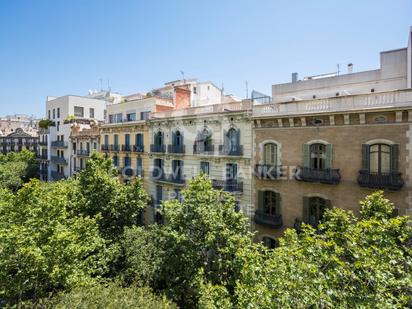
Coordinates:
(380, 159)
(318, 156)
(231, 172)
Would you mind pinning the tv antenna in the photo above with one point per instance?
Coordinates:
(247, 89)
(183, 76)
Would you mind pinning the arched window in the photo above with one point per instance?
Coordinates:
(269, 242)
(269, 203)
(158, 138)
(270, 154)
(318, 156)
(232, 137)
(380, 158)
(178, 138)
(206, 138)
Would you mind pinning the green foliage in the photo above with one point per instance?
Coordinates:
(109, 296)
(349, 262)
(44, 247)
(202, 235)
(17, 168)
(113, 204)
(46, 123)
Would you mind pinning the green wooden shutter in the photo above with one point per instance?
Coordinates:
(365, 157)
(305, 212)
(329, 154)
(278, 200)
(306, 155)
(395, 158)
(260, 200)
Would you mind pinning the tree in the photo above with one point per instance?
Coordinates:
(44, 246)
(17, 168)
(113, 204)
(109, 296)
(198, 241)
(349, 262)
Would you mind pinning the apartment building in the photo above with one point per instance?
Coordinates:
(19, 139)
(64, 112)
(85, 139)
(124, 135)
(330, 140)
(213, 139)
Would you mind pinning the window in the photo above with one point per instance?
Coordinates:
(49, 114)
(317, 156)
(159, 195)
(106, 139)
(380, 158)
(91, 113)
(158, 138)
(127, 162)
(157, 168)
(54, 113)
(58, 126)
(144, 115)
(177, 169)
(314, 208)
(139, 139)
(131, 117)
(231, 143)
(194, 90)
(139, 167)
(116, 139)
(78, 111)
(269, 242)
(127, 139)
(231, 172)
(270, 154)
(269, 202)
(115, 161)
(205, 168)
(177, 138)
(58, 112)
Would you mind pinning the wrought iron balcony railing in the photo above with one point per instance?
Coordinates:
(228, 185)
(59, 144)
(58, 160)
(43, 143)
(327, 175)
(199, 148)
(158, 148)
(234, 150)
(104, 147)
(273, 221)
(57, 175)
(126, 148)
(138, 148)
(83, 153)
(179, 149)
(390, 181)
(114, 148)
(266, 171)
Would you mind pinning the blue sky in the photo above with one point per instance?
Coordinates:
(64, 47)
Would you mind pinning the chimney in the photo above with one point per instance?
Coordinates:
(294, 77)
(350, 68)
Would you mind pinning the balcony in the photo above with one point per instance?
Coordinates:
(43, 172)
(43, 143)
(83, 153)
(58, 160)
(59, 144)
(41, 157)
(203, 149)
(114, 148)
(266, 171)
(160, 176)
(326, 176)
(104, 148)
(138, 148)
(126, 148)
(158, 148)
(225, 150)
(390, 181)
(57, 175)
(272, 221)
(176, 149)
(228, 185)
